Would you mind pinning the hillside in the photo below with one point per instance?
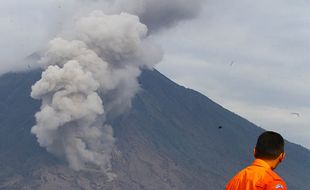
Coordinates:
(172, 138)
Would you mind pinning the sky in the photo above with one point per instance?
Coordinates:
(249, 56)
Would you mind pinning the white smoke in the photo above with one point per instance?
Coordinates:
(87, 79)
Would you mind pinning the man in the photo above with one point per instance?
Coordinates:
(269, 152)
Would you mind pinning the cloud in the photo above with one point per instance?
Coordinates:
(25, 27)
(87, 80)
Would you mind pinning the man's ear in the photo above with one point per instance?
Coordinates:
(281, 157)
(254, 152)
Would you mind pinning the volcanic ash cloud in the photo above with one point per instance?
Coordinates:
(85, 80)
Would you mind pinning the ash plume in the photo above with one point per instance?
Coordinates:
(159, 14)
(85, 80)
(155, 14)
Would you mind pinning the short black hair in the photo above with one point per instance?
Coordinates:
(269, 145)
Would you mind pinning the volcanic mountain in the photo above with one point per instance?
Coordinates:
(172, 138)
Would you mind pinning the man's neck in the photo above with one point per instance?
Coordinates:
(272, 163)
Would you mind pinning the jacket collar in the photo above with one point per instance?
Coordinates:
(261, 163)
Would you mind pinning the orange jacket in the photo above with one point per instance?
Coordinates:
(257, 176)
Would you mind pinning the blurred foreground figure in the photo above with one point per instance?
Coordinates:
(269, 153)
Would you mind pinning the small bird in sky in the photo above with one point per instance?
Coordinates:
(232, 63)
(297, 114)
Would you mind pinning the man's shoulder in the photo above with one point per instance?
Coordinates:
(251, 176)
(274, 175)
(276, 182)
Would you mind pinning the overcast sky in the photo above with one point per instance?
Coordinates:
(249, 56)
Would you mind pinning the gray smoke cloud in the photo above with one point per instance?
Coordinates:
(159, 14)
(155, 14)
(91, 70)
(86, 79)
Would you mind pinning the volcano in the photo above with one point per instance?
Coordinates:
(172, 138)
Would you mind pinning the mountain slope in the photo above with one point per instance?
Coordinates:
(172, 138)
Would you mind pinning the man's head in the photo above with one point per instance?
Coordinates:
(270, 146)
